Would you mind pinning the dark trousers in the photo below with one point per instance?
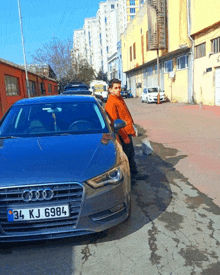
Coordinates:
(129, 151)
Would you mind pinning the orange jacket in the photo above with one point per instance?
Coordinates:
(117, 109)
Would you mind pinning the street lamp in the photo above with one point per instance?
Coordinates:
(22, 39)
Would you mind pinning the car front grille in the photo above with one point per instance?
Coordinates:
(64, 193)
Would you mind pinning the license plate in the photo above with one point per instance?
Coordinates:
(39, 213)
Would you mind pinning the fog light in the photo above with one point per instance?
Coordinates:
(117, 208)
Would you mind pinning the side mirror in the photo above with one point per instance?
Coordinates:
(118, 124)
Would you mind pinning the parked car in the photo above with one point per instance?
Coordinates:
(150, 95)
(83, 92)
(125, 93)
(76, 86)
(63, 172)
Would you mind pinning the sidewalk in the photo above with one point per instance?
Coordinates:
(193, 131)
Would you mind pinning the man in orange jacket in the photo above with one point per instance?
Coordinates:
(117, 109)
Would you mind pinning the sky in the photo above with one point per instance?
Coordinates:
(42, 20)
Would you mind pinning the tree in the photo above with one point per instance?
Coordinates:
(58, 55)
(102, 76)
(83, 71)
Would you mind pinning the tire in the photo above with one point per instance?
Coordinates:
(147, 100)
(142, 100)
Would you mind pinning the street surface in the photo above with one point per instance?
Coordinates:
(174, 226)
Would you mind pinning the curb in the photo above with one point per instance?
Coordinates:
(147, 149)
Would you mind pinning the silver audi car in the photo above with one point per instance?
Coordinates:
(63, 170)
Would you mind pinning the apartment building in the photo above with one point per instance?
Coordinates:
(126, 12)
(190, 62)
(205, 33)
(79, 49)
(107, 34)
(92, 49)
(98, 38)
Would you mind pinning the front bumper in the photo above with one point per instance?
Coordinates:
(154, 99)
(98, 210)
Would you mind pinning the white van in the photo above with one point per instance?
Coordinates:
(99, 87)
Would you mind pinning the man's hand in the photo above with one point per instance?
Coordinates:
(127, 140)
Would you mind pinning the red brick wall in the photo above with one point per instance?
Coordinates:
(8, 69)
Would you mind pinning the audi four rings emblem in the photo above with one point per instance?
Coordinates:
(37, 194)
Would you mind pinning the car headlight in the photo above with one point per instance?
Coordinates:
(113, 176)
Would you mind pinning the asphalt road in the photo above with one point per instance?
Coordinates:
(174, 228)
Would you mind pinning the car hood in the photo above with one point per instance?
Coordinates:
(54, 159)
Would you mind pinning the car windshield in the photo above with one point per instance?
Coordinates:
(52, 119)
(152, 90)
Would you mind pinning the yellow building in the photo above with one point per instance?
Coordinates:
(185, 75)
(205, 32)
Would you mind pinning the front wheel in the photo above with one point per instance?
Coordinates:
(147, 100)
(142, 101)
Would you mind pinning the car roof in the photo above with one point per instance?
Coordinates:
(77, 92)
(74, 85)
(55, 99)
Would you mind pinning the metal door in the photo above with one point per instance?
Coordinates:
(217, 86)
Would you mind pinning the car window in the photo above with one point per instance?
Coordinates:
(152, 90)
(56, 118)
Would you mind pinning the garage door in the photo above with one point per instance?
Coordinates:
(217, 86)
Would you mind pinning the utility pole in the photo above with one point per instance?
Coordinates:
(22, 39)
(158, 63)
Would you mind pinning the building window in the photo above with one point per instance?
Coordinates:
(89, 39)
(105, 20)
(215, 45)
(147, 41)
(168, 66)
(150, 71)
(156, 68)
(131, 17)
(100, 38)
(11, 85)
(200, 50)
(32, 88)
(132, 10)
(182, 62)
(49, 86)
(112, 6)
(131, 53)
(107, 49)
(142, 48)
(55, 89)
(134, 50)
(132, 2)
(43, 92)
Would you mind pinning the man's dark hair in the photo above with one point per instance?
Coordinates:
(114, 80)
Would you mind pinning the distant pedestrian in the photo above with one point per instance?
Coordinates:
(117, 109)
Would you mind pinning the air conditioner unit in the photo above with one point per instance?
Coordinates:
(171, 74)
